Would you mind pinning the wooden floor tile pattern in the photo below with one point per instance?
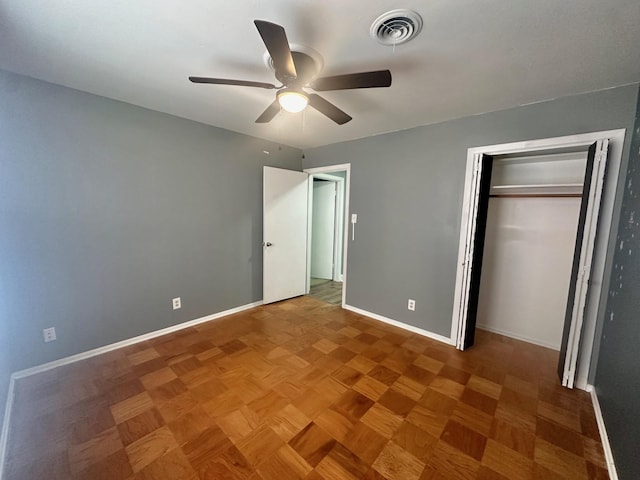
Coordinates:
(304, 390)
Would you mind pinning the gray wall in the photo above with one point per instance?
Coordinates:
(407, 187)
(108, 211)
(618, 372)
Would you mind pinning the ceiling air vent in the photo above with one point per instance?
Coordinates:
(396, 27)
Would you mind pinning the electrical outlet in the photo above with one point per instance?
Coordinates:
(49, 334)
(411, 305)
(177, 303)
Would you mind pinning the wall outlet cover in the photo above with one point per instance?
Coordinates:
(177, 303)
(411, 305)
(49, 334)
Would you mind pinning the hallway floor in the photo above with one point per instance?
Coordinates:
(326, 290)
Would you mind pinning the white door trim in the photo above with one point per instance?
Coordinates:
(594, 296)
(318, 171)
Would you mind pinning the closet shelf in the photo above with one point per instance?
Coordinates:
(541, 186)
(539, 190)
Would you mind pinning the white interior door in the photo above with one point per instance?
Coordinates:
(285, 195)
(322, 229)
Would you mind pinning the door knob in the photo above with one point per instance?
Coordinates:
(266, 244)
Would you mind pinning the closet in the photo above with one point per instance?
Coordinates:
(530, 239)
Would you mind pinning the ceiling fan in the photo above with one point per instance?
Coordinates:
(295, 70)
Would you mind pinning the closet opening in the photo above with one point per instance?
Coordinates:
(532, 221)
(529, 265)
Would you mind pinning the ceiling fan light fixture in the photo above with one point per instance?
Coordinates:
(298, 69)
(292, 101)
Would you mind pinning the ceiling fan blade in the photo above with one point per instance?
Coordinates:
(328, 109)
(379, 78)
(275, 39)
(271, 111)
(226, 81)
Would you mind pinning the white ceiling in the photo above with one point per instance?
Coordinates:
(472, 56)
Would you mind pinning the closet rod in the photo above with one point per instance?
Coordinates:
(535, 195)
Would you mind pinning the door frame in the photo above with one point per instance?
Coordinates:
(343, 204)
(600, 267)
(337, 226)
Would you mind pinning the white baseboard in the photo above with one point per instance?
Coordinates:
(130, 341)
(404, 326)
(606, 446)
(524, 338)
(92, 353)
(4, 434)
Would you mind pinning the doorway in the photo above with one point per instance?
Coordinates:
(325, 282)
(287, 209)
(589, 264)
(327, 239)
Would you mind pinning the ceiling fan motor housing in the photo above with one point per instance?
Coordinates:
(306, 69)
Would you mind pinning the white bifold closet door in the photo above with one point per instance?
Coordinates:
(582, 260)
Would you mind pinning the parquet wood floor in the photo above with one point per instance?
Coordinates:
(304, 390)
